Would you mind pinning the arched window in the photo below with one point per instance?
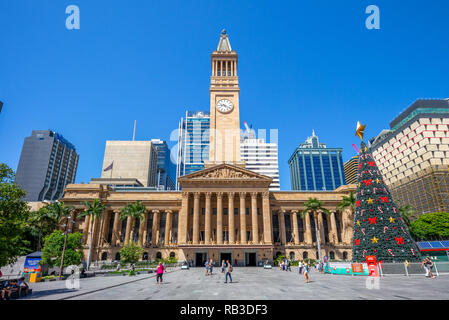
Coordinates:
(158, 255)
(292, 255)
(117, 256)
(331, 255)
(345, 255)
(145, 256)
(172, 254)
(305, 255)
(104, 256)
(278, 254)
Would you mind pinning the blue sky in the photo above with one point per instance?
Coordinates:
(303, 65)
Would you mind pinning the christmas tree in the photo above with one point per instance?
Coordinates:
(379, 229)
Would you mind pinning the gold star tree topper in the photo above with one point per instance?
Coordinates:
(360, 129)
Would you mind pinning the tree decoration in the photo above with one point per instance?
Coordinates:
(385, 234)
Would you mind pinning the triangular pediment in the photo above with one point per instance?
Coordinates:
(225, 172)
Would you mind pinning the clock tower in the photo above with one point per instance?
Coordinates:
(224, 105)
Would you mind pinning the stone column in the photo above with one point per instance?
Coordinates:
(254, 218)
(105, 227)
(242, 218)
(168, 223)
(145, 229)
(219, 217)
(207, 219)
(196, 218)
(142, 224)
(115, 230)
(334, 237)
(347, 226)
(129, 226)
(154, 231)
(183, 219)
(231, 226)
(321, 227)
(308, 229)
(86, 229)
(294, 221)
(282, 226)
(267, 232)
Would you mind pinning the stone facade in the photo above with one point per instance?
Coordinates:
(196, 224)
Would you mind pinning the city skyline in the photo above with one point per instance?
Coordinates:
(317, 91)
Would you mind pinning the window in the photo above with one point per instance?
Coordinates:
(172, 254)
(145, 256)
(117, 256)
(305, 255)
(292, 255)
(104, 256)
(331, 255)
(345, 255)
(158, 255)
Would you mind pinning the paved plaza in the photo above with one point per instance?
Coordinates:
(249, 283)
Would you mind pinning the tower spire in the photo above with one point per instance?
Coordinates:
(224, 44)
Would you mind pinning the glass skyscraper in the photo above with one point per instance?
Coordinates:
(47, 164)
(314, 167)
(193, 142)
(166, 170)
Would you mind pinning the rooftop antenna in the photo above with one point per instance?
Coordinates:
(134, 133)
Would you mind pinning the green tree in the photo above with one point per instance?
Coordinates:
(40, 224)
(347, 202)
(14, 214)
(431, 226)
(407, 213)
(313, 206)
(94, 211)
(131, 252)
(54, 245)
(132, 212)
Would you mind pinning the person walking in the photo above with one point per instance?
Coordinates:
(207, 267)
(228, 270)
(428, 264)
(300, 267)
(289, 266)
(159, 272)
(306, 272)
(223, 266)
(211, 266)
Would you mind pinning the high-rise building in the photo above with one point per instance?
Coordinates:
(260, 157)
(130, 159)
(47, 164)
(413, 156)
(193, 142)
(350, 168)
(166, 170)
(314, 167)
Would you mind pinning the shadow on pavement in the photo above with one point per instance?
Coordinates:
(43, 293)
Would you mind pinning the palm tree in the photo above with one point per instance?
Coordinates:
(41, 222)
(348, 201)
(94, 210)
(132, 211)
(407, 213)
(313, 205)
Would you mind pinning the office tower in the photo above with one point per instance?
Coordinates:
(260, 157)
(193, 142)
(350, 168)
(166, 170)
(314, 167)
(47, 164)
(130, 159)
(413, 156)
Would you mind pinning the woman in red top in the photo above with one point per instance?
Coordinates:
(159, 272)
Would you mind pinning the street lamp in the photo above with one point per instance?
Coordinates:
(68, 229)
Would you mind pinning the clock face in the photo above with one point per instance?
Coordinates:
(224, 105)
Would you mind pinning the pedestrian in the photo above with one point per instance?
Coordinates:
(207, 267)
(300, 267)
(223, 266)
(159, 272)
(118, 266)
(211, 266)
(289, 264)
(428, 264)
(306, 272)
(228, 270)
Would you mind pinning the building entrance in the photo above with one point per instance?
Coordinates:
(250, 259)
(225, 256)
(200, 259)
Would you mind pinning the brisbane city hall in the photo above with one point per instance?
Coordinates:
(224, 211)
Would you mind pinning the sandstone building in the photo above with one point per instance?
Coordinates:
(224, 211)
